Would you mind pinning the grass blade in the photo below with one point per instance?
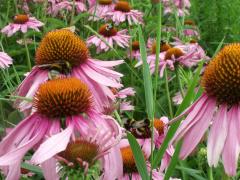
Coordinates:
(147, 80)
(138, 156)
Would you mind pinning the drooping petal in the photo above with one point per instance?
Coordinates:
(14, 171)
(196, 132)
(231, 148)
(217, 136)
(33, 137)
(49, 169)
(52, 146)
(112, 165)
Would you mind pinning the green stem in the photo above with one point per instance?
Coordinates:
(44, 14)
(118, 118)
(73, 12)
(168, 94)
(183, 164)
(28, 55)
(179, 81)
(210, 173)
(16, 7)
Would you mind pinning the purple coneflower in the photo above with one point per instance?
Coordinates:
(62, 108)
(218, 107)
(87, 148)
(123, 12)
(21, 22)
(5, 60)
(192, 53)
(66, 50)
(151, 58)
(180, 6)
(100, 9)
(111, 35)
(68, 5)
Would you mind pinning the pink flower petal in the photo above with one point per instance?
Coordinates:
(217, 136)
(196, 132)
(52, 146)
(231, 147)
(49, 169)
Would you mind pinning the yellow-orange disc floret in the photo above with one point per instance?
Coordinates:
(107, 30)
(60, 46)
(163, 47)
(135, 45)
(82, 149)
(105, 2)
(176, 52)
(129, 165)
(20, 19)
(221, 78)
(62, 97)
(123, 6)
(159, 125)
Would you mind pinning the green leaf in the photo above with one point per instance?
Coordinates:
(138, 157)
(32, 168)
(147, 80)
(186, 102)
(219, 46)
(196, 174)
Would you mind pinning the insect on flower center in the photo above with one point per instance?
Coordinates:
(135, 45)
(221, 78)
(176, 52)
(159, 126)
(62, 97)
(107, 30)
(60, 46)
(189, 22)
(20, 19)
(163, 47)
(123, 6)
(80, 150)
(105, 2)
(129, 165)
(193, 41)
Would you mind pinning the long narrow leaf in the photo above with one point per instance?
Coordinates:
(138, 157)
(147, 80)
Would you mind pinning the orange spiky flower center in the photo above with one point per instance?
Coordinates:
(81, 150)
(159, 126)
(107, 30)
(62, 97)
(123, 6)
(60, 46)
(163, 47)
(221, 78)
(129, 165)
(105, 2)
(135, 45)
(20, 19)
(176, 52)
